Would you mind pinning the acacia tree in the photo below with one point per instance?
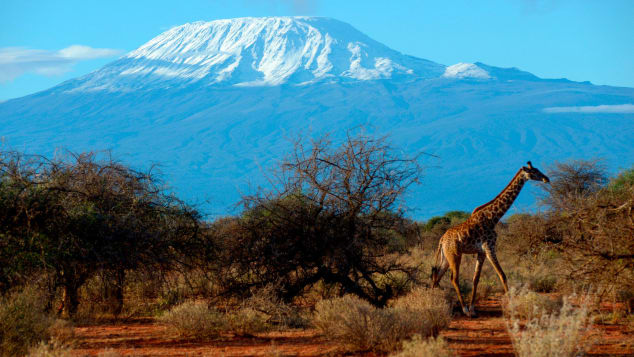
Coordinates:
(24, 212)
(571, 181)
(591, 222)
(330, 217)
(80, 214)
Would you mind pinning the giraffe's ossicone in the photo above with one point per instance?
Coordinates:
(477, 236)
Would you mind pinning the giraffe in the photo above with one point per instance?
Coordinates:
(477, 236)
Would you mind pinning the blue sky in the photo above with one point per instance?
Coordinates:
(43, 43)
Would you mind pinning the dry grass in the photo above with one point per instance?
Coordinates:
(428, 306)
(195, 319)
(62, 332)
(418, 347)
(360, 326)
(50, 349)
(198, 320)
(247, 321)
(526, 304)
(23, 322)
(352, 321)
(563, 332)
(108, 352)
(275, 312)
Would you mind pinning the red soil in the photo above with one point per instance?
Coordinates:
(482, 336)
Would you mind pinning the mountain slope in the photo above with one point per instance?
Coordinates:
(216, 137)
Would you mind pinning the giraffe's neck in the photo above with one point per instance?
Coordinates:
(490, 213)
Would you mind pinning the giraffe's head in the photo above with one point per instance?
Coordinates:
(532, 173)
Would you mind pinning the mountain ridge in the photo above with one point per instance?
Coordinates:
(258, 51)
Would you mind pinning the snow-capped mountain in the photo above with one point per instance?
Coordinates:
(216, 104)
(257, 52)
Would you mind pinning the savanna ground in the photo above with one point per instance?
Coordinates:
(99, 259)
(483, 336)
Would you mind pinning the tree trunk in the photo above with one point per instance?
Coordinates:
(70, 301)
(117, 291)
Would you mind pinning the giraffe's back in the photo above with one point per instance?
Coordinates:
(464, 238)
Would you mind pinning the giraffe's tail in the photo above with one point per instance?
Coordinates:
(434, 268)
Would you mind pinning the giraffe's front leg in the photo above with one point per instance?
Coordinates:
(498, 269)
(454, 265)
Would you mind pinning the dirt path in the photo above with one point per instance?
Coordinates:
(148, 339)
(483, 336)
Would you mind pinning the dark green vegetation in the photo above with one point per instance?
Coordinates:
(70, 218)
(96, 238)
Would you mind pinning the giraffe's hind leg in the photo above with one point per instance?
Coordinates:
(476, 279)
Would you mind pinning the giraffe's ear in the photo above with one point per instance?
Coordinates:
(529, 165)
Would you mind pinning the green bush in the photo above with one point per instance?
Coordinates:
(622, 182)
(23, 322)
(78, 215)
(445, 221)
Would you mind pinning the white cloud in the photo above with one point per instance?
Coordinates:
(80, 52)
(620, 108)
(15, 61)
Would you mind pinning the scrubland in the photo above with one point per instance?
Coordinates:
(99, 259)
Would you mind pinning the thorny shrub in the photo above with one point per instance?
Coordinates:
(247, 321)
(198, 320)
(592, 224)
(195, 319)
(526, 304)
(360, 326)
(277, 313)
(430, 306)
(331, 218)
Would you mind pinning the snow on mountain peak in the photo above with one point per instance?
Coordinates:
(466, 70)
(258, 51)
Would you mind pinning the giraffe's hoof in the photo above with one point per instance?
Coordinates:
(469, 312)
(466, 312)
